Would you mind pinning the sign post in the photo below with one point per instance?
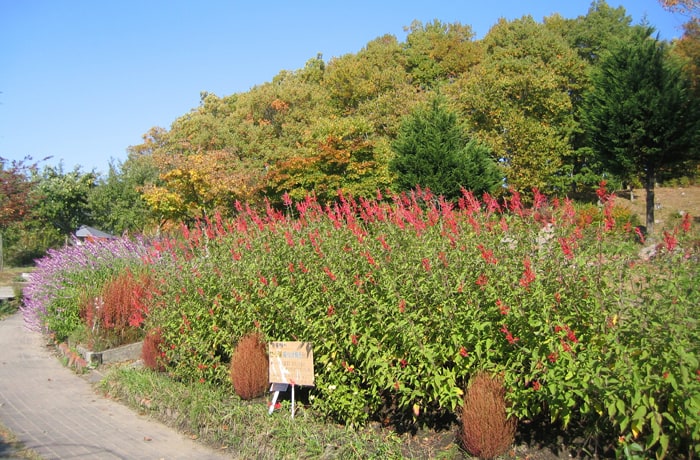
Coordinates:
(291, 363)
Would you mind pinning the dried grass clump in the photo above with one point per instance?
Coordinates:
(486, 430)
(249, 366)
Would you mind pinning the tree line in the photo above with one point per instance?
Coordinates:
(557, 105)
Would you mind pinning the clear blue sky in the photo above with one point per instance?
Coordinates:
(81, 81)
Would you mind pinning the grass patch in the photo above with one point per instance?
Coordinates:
(11, 447)
(218, 418)
(8, 307)
(12, 275)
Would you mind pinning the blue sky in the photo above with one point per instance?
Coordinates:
(81, 81)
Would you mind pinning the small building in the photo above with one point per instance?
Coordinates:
(89, 234)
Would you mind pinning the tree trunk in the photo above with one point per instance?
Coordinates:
(650, 182)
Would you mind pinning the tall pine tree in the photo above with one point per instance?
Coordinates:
(641, 116)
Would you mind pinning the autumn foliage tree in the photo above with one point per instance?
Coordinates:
(330, 125)
(15, 187)
(16, 183)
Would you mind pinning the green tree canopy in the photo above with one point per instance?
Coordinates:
(519, 100)
(61, 199)
(116, 202)
(641, 115)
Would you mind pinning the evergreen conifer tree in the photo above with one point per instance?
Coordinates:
(432, 151)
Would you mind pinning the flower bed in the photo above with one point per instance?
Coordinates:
(405, 298)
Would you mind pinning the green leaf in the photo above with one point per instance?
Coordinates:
(639, 413)
(620, 405)
(663, 441)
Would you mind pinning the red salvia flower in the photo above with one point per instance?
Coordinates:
(602, 192)
(503, 308)
(426, 264)
(528, 275)
(463, 352)
(539, 200)
(509, 337)
(686, 222)
(566, 248)
(670, 240)
(402, 306)
(487, 255)
(565, 346)
(330, 274)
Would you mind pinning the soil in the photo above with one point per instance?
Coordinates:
(671, 204)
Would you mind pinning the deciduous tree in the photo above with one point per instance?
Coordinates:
(61, 198)
(519, 100)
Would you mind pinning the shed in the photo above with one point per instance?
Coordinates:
(86, 233)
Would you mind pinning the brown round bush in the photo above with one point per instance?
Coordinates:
(152, 351)
(486, 429)
(249, 366)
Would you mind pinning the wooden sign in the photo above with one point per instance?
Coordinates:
(291, 363)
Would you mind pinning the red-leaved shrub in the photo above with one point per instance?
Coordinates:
(152, 351)
(249, 366)
(486, 429)
(115, 316)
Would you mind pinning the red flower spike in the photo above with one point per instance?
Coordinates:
(503, 308)
(402, 306)
(528, 275)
